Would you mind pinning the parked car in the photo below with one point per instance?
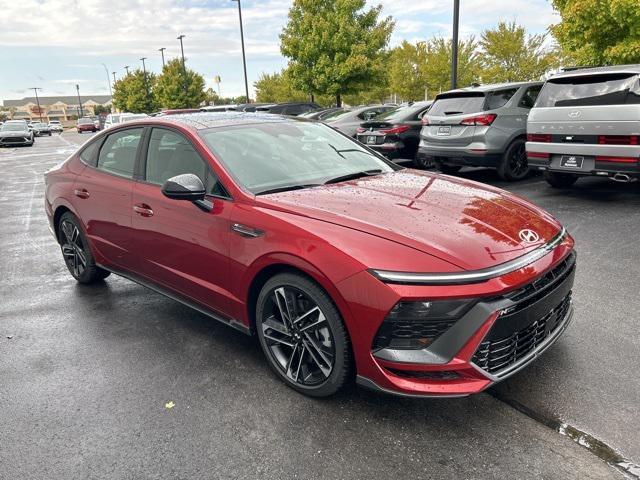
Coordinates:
(323, 114)
(396, 133)
(40, 129)
(114, 119)
(250, 107)
(86, 124)
(219, 108)
(587, 122)
(482, 126)
(56, 126)
(130, 117)
(176, 111)
(16, 132)
(292, 108)
(291, 231)
(349, 121)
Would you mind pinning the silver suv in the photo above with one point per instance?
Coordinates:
(587, 122)
(482, 126)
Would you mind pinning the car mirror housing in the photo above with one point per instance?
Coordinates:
(184, 187)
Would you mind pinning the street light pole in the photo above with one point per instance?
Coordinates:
(184, 68)
(162, 53)
(106, 70)
(146, 85)
(126, 67)
(35, 89)
(114, 77)
(454, 45)
(79, 101)
(244, 60)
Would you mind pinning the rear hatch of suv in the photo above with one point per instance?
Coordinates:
(448, 119)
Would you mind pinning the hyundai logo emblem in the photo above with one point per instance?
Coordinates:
(528, 236)
(575, 114)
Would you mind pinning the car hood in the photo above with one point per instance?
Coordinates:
(470, 225)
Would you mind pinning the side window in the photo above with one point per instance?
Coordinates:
(171, 154)
(118, 152)
(530, 96)
(89, 154)
(500, 98)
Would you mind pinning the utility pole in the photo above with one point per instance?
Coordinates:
(106, 70)
(114, 77)
(162, 53)
(184, 68)
(146, 85)
(244, 60)
(79, 102)
(126, 67)
(35, 89)
(454, 45)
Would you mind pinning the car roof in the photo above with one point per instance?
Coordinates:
(632, 68)
(205, 120)
(489, 87)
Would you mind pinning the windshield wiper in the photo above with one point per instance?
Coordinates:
(287, 188)
(354, 176)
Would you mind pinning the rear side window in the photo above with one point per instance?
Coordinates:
(593, 90)
(529, 97)
(500, 98)
(118, 152)
(458, 104)
(89, 154)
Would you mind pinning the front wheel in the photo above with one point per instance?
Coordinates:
(76, 252)
(514, 165)
(560, 180)
(303, 336)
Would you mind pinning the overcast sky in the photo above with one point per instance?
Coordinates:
(55, 44)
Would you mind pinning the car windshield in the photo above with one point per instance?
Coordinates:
(40, 125)
(13, 127)
(610, 89)
(458, 104)
(84, 121)
(280, 156)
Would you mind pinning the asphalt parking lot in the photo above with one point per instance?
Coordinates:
(88, 373)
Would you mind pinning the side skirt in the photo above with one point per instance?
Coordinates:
(232, 322)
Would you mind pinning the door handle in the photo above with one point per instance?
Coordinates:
(245, 231)
(81, 192)
(143, 209)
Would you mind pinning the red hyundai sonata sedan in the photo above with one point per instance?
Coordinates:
(344, 264)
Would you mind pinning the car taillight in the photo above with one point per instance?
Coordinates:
(607, 158)
(618, 139)
(484, 119)
(539, 137)
(543, 155)
(395, 130)
(425, 121)
(360, 129)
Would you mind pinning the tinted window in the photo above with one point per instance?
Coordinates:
(529, 97)
(458, 104)
(118, 152)
(373, 112)
(88, 155)
(613, 89)
(171, 154)
(500, 98)
(263, 156)
(402, 114)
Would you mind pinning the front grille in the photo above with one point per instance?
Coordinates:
(425, 375)
(14, 140)
(495, 355)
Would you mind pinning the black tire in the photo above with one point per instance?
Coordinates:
(311, 353)
(76, 252)
(448, 169)
(560, 180)
(513, 165)
(423, 162)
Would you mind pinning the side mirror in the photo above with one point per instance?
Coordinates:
(184, 187)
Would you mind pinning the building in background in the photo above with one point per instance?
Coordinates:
(54, 108)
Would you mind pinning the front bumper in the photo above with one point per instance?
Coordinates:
(485, 346)
(9, 141)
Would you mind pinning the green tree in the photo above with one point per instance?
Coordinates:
(333, 45)
(509, 54)
(133, 93)
(599, 32)
(437, 68)
(407, 70)
(98, 109)
(170, 88)
(277, 87)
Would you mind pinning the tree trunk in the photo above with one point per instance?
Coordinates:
(312, 98)
(338, 100)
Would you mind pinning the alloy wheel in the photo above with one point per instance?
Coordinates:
(518, 161)
(73, 248)
(298, 336)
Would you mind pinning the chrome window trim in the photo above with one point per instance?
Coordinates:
(476, 276)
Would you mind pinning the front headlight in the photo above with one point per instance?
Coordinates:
(416, 324)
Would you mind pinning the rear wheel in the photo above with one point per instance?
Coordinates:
(560, 180)
(76, 251)
(514, 165)
(302, 335)
(448, 169)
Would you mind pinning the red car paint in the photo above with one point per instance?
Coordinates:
(407, 221)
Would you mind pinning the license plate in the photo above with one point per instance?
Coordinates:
(371, 140)
(571, 161)
(445, 130)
